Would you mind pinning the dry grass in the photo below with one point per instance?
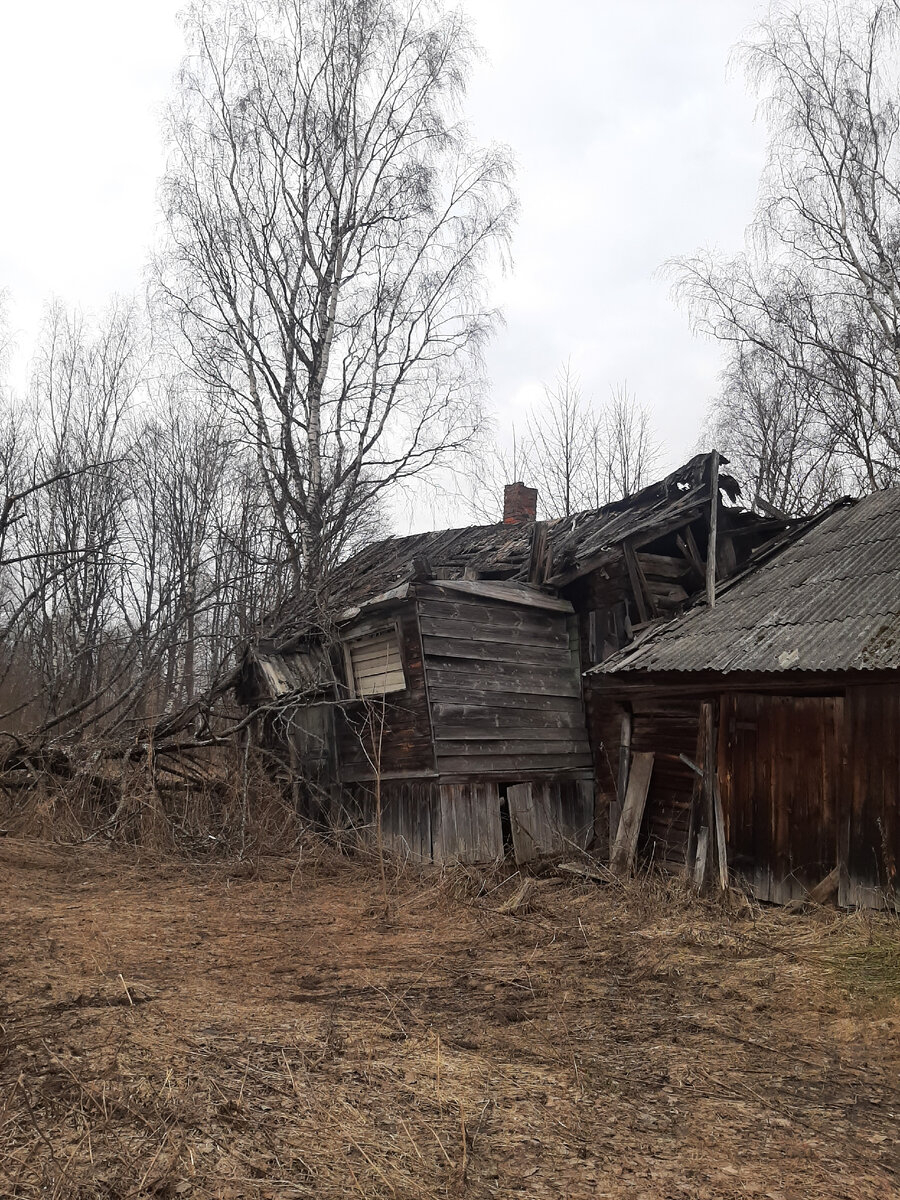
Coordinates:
(213, 802)
(264, 1030)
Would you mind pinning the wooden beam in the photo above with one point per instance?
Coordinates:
(645, 603)
(713, 526)
(715, 820)
(692, 847)
(693, 552)
(827, 889)
(508, 593)
(700, 859)
(663, 566)
(721, 849)
(537, 562)
(615, 809)
(622, 858)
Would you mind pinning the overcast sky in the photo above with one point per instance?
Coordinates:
(633, 139)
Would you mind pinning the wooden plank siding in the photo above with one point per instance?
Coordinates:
(504, 687)
(871, 825)
(406, 744)
(781, 779)
(468, 829)
(550, 817)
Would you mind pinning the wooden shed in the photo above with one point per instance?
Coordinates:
(785, 696)
(437, 678)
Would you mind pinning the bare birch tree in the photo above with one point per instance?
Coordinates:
(582, 456)
(558, 445)
(329, 223)
(767, 420)
(817, 291)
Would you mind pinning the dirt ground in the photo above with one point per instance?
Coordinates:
(266, 1030)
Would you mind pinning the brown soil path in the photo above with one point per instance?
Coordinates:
(176, 1031)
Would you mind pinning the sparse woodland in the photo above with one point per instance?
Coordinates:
(808, 313)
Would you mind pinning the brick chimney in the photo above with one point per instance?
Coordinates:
(519, 504)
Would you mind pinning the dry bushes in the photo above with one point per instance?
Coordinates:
(219, 801)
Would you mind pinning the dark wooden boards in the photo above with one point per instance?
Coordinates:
(550, 817)
(406, 744)
(505, 698)
(780, 776)
(518, 594)
(469, 829)
(871, 817)
(408, 810)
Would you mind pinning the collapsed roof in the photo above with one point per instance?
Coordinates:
(824, 597)
(542, 554)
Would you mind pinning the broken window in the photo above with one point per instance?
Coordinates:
(374, 663)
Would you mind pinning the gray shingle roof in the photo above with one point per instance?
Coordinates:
(829, 600)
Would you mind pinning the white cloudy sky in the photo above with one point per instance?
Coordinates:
(634, 143)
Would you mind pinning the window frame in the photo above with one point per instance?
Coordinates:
(373, 629)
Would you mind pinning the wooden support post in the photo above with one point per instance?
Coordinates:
(646, 605)
(713, 527)
(695, 817)
(721, 848)
(615, 809)
(622, 857)
(715, 820)
(700, 858)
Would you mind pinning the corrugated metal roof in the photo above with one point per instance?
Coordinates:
(828, 600)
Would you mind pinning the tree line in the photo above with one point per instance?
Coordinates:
(809, 312)
(311, 342)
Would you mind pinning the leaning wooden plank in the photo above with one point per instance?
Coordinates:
(509, 593)
(713, 524)
(622, 857)
(525, 823)
(700, 860)
(520, 899)
(721, 850)
(595, 871)
(699, 767)
(615, 809)
(827, 889)
(638, 583)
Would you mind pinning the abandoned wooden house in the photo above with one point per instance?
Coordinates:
(765, 731)
(438, 677)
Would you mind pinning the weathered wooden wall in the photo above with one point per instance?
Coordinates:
(410, 817)
(667, 730)
(807, 782)
(424, 821)
(782, 785)
(551, 818)
(406, 748)
(504, 687)
(871, 825)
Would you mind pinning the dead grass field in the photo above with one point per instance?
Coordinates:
(177, 1030)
